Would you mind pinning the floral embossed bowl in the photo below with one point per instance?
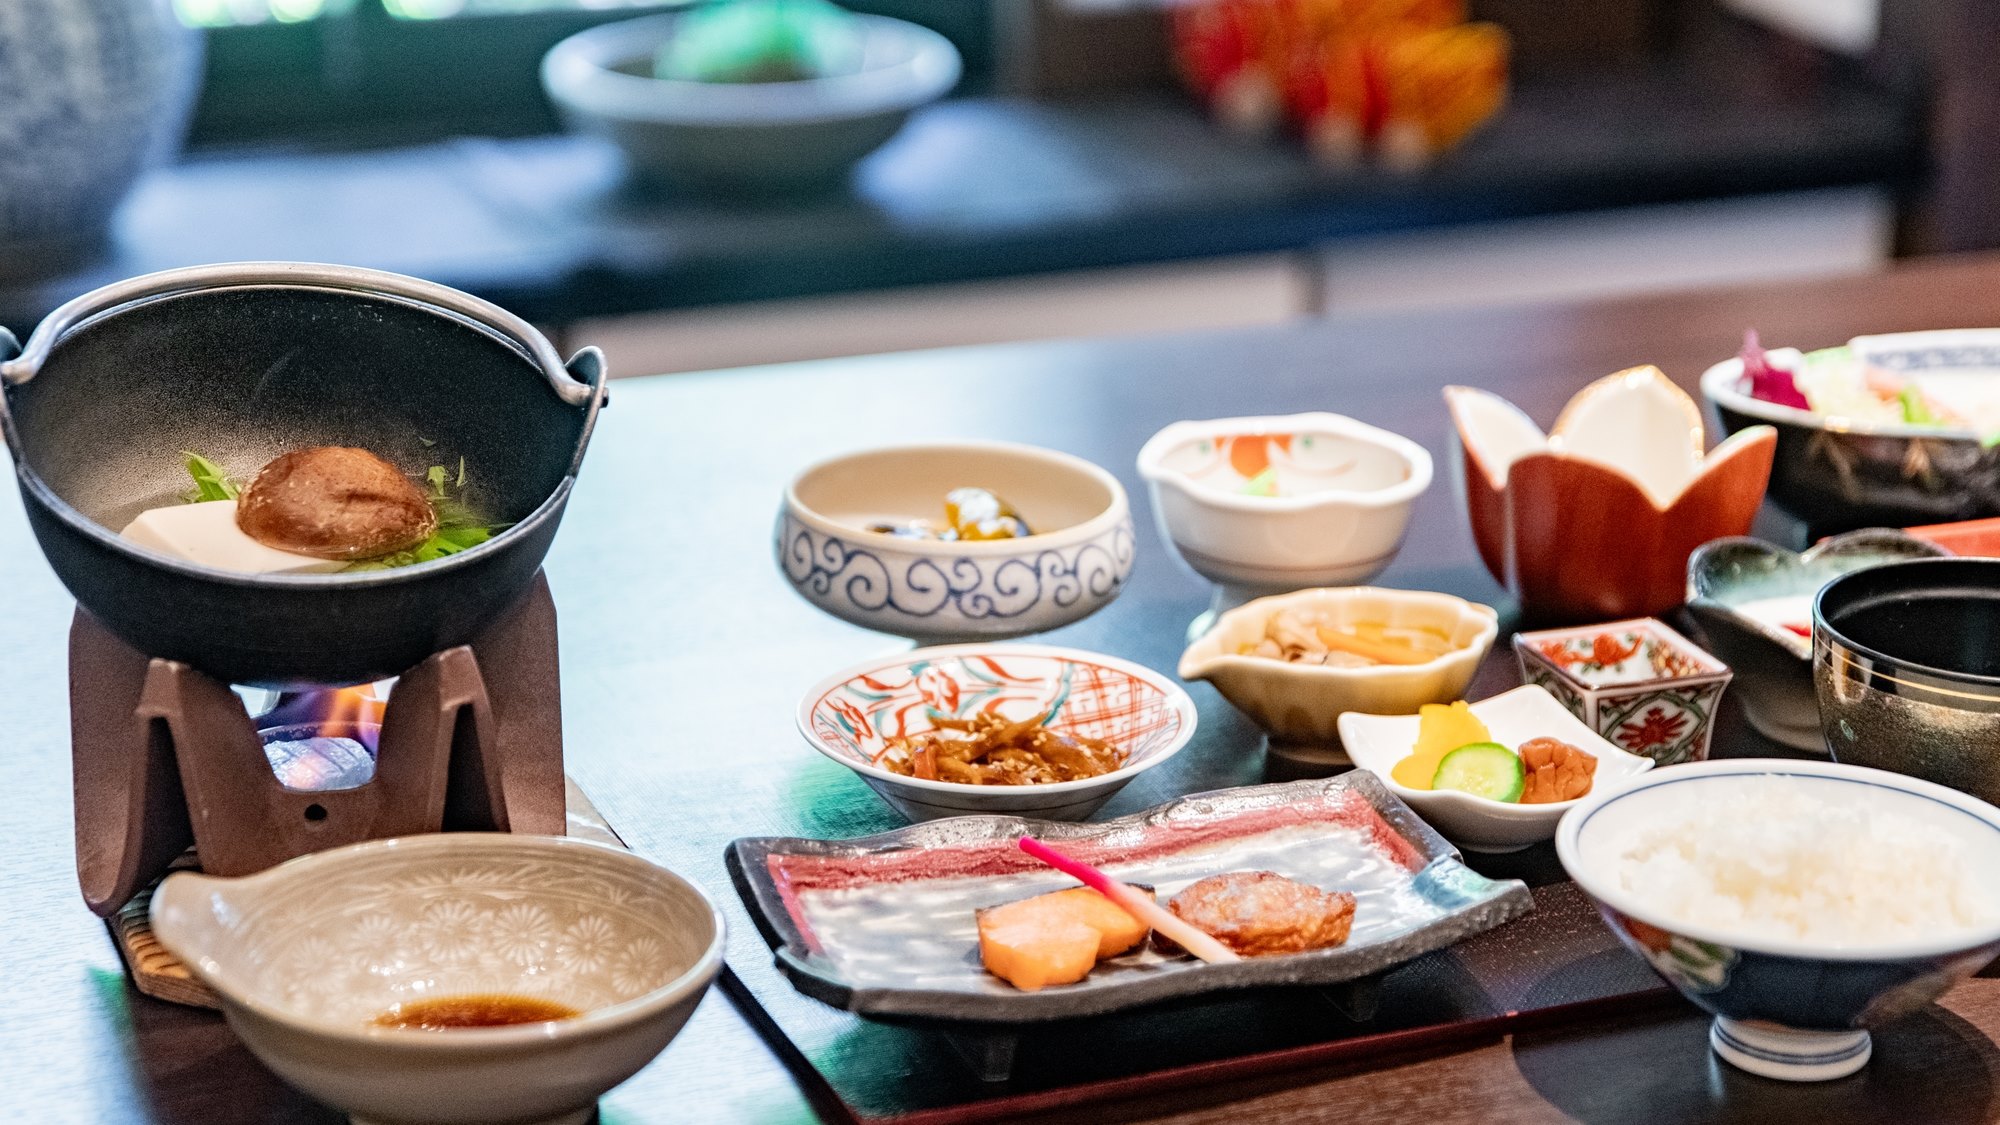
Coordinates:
(307, 954)
(1596, 519)
(851, 715)
(1272, 504)
(1753, 604)
(936, 591)
(1785, 1007)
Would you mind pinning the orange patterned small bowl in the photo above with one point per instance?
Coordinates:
(1596, 519)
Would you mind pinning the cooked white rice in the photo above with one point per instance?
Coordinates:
(1775, 857)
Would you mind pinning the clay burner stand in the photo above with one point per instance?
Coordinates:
(167, 758)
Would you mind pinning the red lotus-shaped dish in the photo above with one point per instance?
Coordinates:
(1596, 519)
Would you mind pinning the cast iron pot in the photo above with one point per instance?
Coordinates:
(243, 361)
(1906, 665)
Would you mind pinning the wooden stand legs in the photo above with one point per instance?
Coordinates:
(166, 757)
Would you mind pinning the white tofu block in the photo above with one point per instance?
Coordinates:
(206, 534)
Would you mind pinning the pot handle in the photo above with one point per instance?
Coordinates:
(229, 275)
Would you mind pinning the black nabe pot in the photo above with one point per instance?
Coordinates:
(243, 361)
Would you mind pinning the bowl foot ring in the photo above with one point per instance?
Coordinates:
(1789, 1054)
(1292, 761)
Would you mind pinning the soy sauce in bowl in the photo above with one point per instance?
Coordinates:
(487, 1009)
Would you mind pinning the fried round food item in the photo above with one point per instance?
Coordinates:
(334, 502)
(1260, 913)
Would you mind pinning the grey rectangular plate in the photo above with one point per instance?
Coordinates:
(883, 925)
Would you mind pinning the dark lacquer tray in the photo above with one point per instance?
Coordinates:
(883, 926)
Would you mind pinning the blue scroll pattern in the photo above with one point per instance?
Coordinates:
(832, 571)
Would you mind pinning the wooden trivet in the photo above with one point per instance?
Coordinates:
(161, 975)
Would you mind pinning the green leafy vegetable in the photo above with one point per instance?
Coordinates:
(1263, 484)
(1916, 411)
(210, 482)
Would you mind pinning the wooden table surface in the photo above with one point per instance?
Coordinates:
(684, 653)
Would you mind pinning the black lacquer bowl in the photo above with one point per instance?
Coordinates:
(244, 361)
(1906, 665)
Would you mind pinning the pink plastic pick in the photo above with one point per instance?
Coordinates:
(1133, 902)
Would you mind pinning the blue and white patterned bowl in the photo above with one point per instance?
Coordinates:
(934, 591)
(1784, 1009)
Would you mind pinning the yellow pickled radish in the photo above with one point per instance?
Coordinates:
(1441, 728)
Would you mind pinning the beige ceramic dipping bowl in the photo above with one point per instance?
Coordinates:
(933, 591)
(1299, 705)
(307, 954)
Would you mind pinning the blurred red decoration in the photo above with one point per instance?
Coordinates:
(1395, 81)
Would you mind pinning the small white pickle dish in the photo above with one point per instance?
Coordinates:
(1481, 824)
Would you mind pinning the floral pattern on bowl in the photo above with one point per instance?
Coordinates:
(851, 715)
(1596, 519)
(1638, 683)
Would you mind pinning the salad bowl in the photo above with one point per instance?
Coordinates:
(736, 138)
(1857, 458)
(1596, 519)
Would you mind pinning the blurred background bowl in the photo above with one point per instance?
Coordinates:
(1343, 495)
(1773, 664)
(1906, 666)
(745, 137)
(936, 591)
(850, 716)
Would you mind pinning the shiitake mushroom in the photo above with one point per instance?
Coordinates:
(335, 502)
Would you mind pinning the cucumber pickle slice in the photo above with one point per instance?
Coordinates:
(1483, 769)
